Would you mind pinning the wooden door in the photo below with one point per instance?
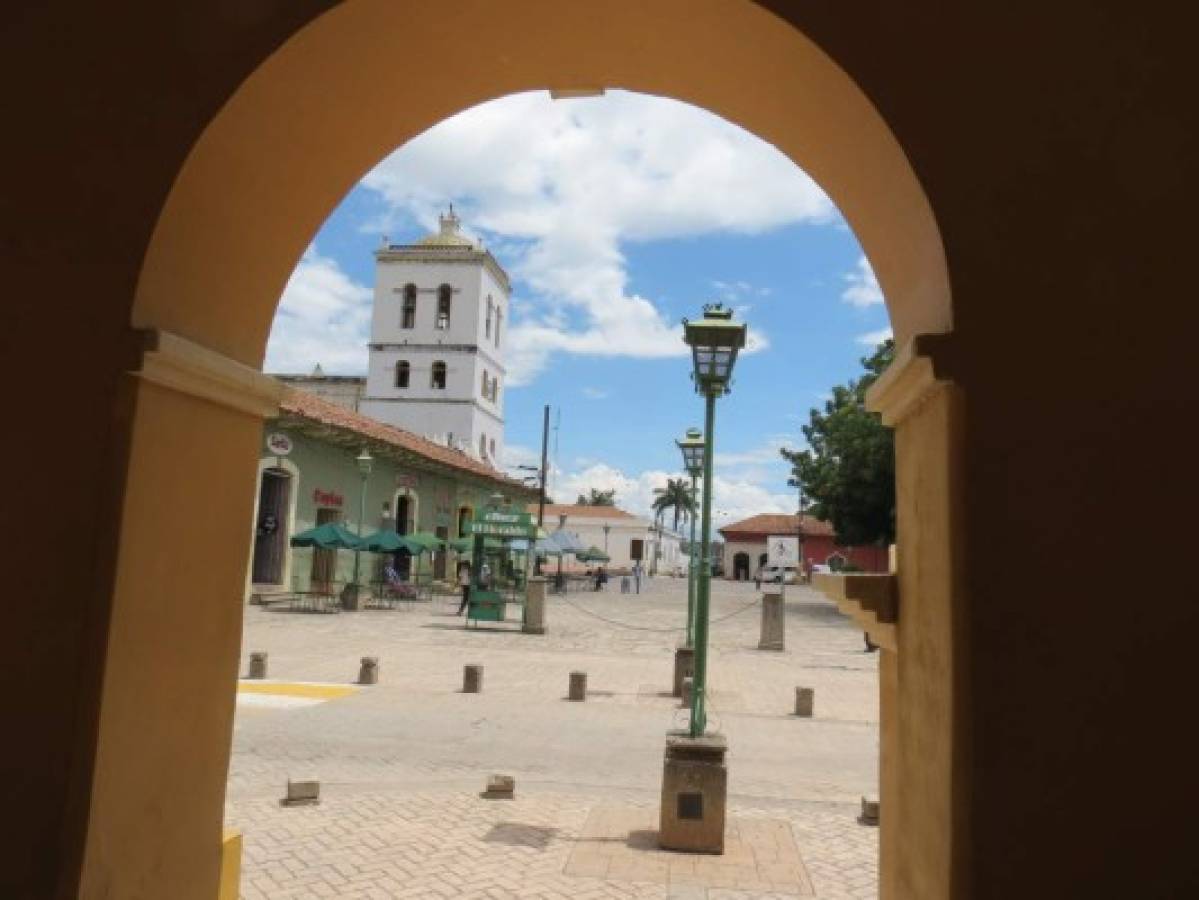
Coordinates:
(270, 531)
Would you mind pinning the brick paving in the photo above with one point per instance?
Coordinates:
(402, 763)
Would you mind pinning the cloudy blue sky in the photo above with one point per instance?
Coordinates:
(616, 217)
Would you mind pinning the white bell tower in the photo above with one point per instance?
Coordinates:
(437, 337)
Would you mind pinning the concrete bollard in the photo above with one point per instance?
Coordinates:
(578, 686)
(688, 683)
(472, 680)
(869, 814)
(804, 699)
(773, 626)
(368, 672)
(302, 792)
(534, 614)
(500, 787)
(257, 665)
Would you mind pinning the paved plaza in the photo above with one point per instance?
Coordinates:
(402, 763)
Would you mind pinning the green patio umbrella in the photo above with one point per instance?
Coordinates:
(592, 554)
(387, 540)
(427, 539)
(330, 536)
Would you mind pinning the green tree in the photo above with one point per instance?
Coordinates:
(675, 496)
(848, 470)
(597, 498)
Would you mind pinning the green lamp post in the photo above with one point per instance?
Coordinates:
(714, 341)
(365, 462)
(692, 447)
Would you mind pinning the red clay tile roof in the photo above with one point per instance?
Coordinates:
(770, 523)
(311, 407)
(553, 510)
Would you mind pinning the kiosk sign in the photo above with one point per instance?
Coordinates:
(503, 523)
(782, 550)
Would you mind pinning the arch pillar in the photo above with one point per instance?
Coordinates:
(193, 431)
(923, 733)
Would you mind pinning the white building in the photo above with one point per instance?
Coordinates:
(624, 537)
(436, 349)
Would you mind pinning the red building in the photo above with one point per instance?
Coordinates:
(745, 544)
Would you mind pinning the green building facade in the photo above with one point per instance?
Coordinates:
(309, 474)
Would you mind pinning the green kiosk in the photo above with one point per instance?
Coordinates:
(496, 522)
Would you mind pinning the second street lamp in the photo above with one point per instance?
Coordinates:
(692, 447)
(714, 341)
(365, 462)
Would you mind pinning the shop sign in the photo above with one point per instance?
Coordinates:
(278, 443)
(503, 523)
(327, 498)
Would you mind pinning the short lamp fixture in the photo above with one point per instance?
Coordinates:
(692, 447)
(365, 462)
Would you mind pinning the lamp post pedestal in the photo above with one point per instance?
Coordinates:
(684, 667)
(694, 793)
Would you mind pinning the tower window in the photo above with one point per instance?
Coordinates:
(482, 446)
(438, 379)
(495, 389)
(403, 371)
(444, 295)
(499, 317)
(490, 310)
(485, 387)
(492, 442)
(408, 315)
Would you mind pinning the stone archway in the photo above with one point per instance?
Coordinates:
(318, 113)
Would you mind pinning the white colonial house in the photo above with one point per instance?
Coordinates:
(626, 538)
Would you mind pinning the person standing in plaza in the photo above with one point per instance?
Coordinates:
(464, 583)
(637, 575)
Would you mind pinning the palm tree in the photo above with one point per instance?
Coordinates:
(675, 496)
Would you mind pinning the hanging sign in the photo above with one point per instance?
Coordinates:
(278, 443)
(503, 523)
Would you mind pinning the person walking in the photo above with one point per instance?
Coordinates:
(464, 583)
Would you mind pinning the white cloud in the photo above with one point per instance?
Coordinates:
(323, 317)
(766, 453)
(874, 338)
(559, 188)
(863, 289)
(592, 393)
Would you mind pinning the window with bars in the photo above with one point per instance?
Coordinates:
(437, 379)
(408, 313)
(445, 295)
(490, 312)
(403, 372)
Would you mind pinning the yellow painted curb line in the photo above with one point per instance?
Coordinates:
(293, 689)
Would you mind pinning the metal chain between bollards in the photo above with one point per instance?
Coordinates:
(595, 615)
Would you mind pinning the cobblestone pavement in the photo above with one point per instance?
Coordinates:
(402, 763)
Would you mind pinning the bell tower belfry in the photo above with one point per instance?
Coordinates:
(437, 336)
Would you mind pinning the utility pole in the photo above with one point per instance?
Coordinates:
(545, 445)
